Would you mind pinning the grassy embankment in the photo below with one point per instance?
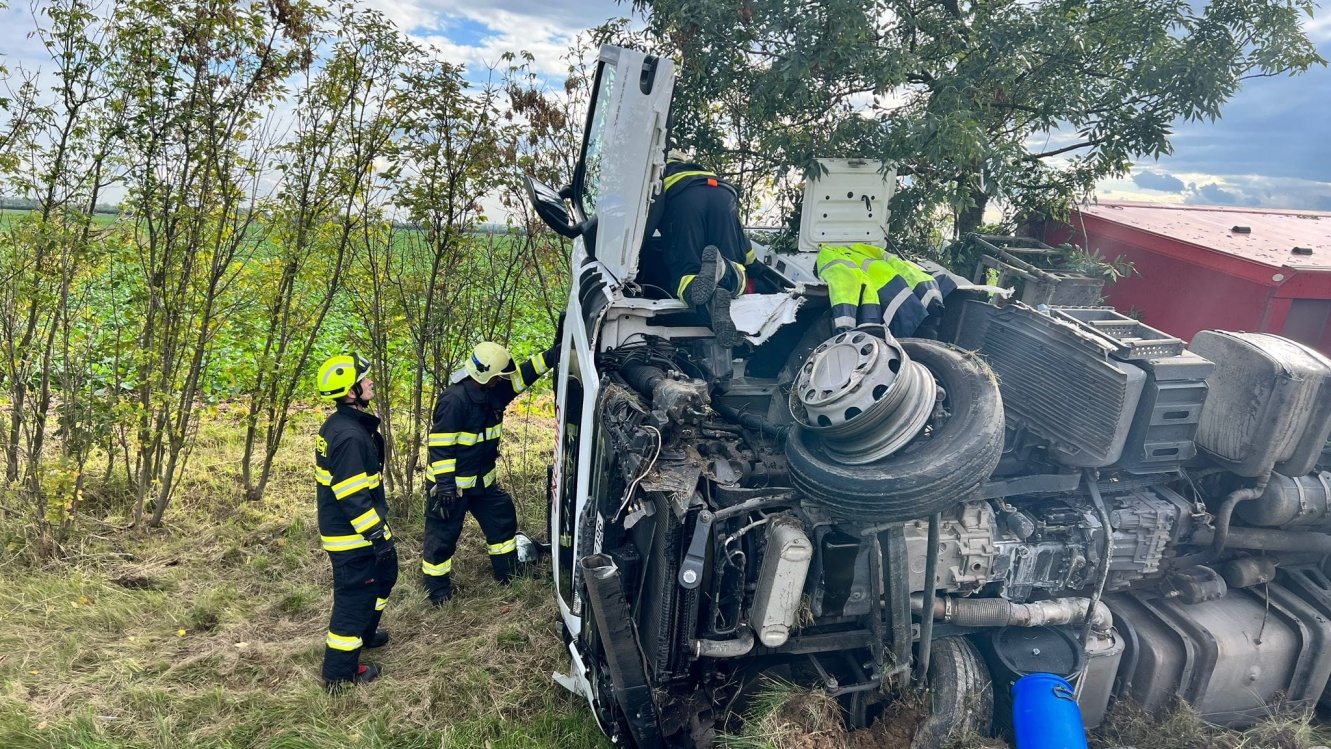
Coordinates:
(209, 631)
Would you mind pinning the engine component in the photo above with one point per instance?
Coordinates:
(1269, 539)
(1194, 585)
(623, 654)
(1000, 612)
(1248, 571)
(781, 581)
(690, 570)
(934, 473)
(1270, 403)
(733, 648)
(1104, 653)
(1147, 523)
(1165, 424)
(863, 397)
(1164, 429)
(1229, 657)
(969, 554)
(1299, 501)
(1057, 381)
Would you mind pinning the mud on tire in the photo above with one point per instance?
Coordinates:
(930, 475)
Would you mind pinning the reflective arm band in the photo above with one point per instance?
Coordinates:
(504, 547)
(440, 467)
(344, 489)
(324, 478)
(750, 257)
(443, 439)
(365, 521)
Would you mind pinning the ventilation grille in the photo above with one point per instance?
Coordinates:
(1059, 386)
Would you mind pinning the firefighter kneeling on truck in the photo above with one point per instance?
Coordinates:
(461, 475)
(704, 247)
(353, 521)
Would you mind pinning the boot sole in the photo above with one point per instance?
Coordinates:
(704, 284)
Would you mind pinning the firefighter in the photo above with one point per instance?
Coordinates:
(353, 521)
(703, 243)
(461, 475)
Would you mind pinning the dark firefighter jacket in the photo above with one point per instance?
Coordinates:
(468, 422)
(348, 456)
(701, 209)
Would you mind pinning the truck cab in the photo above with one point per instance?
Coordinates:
(862, 514)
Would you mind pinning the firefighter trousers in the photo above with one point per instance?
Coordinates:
(361, 586)
(494, 511)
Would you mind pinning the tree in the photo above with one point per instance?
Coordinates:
(344, 121)
(199, 78)
(46, 255)
(1030, 102)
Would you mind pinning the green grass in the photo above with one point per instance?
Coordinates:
(92, 655)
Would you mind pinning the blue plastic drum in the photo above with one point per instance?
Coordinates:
(1045, 714)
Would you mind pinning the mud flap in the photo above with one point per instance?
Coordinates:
(623, 653)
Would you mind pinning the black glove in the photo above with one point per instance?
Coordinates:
(445, 499)
(559, 330)
(385, 550)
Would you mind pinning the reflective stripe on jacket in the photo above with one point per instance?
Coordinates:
(468, 422)
(348, 459)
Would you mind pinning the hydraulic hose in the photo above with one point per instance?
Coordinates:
(1226, 512)
(643, 378)
(753, 422)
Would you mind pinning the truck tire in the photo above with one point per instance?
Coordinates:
(934, 472)
(960, 696)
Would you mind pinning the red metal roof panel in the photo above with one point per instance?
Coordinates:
(1271, 239)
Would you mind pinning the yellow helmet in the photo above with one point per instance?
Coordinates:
(487, 360)
(340, 373)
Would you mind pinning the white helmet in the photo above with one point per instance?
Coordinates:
(487, 360)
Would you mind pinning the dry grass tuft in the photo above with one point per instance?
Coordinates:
(1180, 727)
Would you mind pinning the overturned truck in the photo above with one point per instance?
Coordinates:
(1026, 490)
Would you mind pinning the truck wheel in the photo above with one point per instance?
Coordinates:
(960, 697)
(944, 466)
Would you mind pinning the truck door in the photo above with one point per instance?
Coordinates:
(623, 155)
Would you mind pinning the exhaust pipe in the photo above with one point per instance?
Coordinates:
(997, 612)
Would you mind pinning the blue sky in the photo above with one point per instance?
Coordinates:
(1271, 148)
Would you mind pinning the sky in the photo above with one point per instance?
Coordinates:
(1271, 148)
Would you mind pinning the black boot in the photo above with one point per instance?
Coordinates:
(365, 673)
(723, 325)
(700, 291)
(379, 640)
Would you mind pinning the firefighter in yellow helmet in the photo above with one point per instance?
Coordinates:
(461, 475)
(353, 520)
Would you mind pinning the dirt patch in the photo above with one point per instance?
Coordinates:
(895, 727)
